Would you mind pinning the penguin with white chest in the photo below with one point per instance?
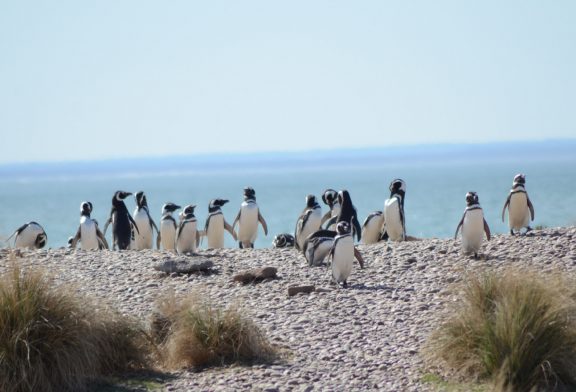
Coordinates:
(394, 217)
(372, 227)
(30, 235)
(89, 235)
(342, 254)
(308, 222)
(318, 246)
(168, 226)
(216, 224)
(520, 208)
(144, 222)
(187, 235)
(330, 198)
(473, 226)
(248, 218)
(124, 227)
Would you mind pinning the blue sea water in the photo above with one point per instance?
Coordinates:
(437, 180)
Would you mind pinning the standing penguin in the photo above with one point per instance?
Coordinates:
(144, 222)
(372, 227)
(308, 222)
(348, 213)
(394, 218)
(30, 235)
(187, 235)
(168, 227)
(520, 208)
(342, 254)
(123, 225)
(247, 219)
(89, 235)
(330, 198)
(216, 224)
(473, 226)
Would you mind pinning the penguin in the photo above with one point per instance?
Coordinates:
(247, 219)
(30, 235)
(123, 225)
(394, 217)
(89, 235)
(317, 246)
(216, 224)
(342, 253)
(308, 222)
(520, 208)
(144, 222)
(372, 227)
(167, 234)
(330, 198)
(187, 235)
(348, 213)
(473, 226)
(284, 240)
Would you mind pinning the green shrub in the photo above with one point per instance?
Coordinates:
(515, 329)
(53, 340)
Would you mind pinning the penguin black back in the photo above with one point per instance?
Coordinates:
(348, 212)
(122, 221)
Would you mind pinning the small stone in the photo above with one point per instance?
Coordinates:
(300, 289)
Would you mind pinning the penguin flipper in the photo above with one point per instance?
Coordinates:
(134, 223)
(459, 226)
(506, 206)
(331, 221)
(530, 206)
(152, 223)
(75, 239)
(358, 257)
(106, 224)
(263, 223)
(17, 231)
(357, 227)
(237, 219)
(101, 239)
(230, 230)
(486, 229)
(158, 240)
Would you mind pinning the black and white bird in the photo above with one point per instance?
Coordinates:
(308, 222)
(216, 224)
(372, 227)
(473, 226)
(283, 240)
(248, 218)
(394, 217)
(168, 226)
(89, 235)
(30, 235)
(144, 222)
(520, 208)
(317, 246)
(124, 228)
(187, 235)
(342, 254)
(348, 213)
(330, 198)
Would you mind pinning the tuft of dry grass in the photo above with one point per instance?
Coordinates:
(195, 333)
(516, 329)
(53, 340)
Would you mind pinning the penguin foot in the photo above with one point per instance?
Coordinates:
(475, 256)
(345, 284)
(528, 229)
(511, 232)
(240, 245)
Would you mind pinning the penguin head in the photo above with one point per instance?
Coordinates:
(343, 228)
(279, 241)
(472, 198)
(249, 193)
(121, 195)
(41, 240)
(344, 198)
(397, 186)
(519, 179)
(141, 199)
(311, 201)
(85, 208)
(189, 210)
(216, 204)
(169, 208)
(329, 197)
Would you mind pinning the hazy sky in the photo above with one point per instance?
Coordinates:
(90, 80)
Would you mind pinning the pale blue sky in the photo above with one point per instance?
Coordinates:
(92, 80)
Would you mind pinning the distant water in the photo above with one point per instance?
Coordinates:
(437, 182)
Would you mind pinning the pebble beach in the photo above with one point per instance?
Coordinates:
(370, 336)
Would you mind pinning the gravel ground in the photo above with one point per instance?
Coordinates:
(366, 337)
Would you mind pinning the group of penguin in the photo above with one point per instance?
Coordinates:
(317, 236)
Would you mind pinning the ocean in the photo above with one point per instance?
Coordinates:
(437, 179)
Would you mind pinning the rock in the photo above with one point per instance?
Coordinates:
(256, 275)
(184, 266)
(300, 289)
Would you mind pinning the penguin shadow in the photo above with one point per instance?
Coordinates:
(364, 287)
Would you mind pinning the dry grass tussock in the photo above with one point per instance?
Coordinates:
(194, 333)
(515, 330)
(51, 339)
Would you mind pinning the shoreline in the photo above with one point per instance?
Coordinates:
(369, 336)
